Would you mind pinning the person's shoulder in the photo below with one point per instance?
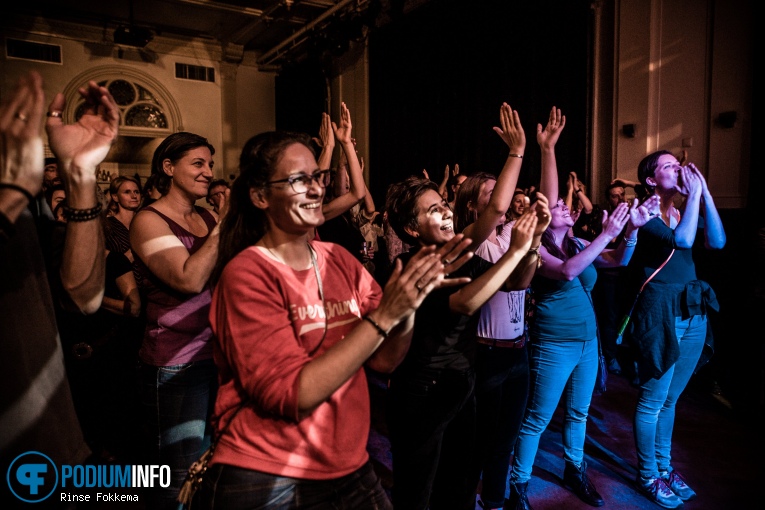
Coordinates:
(248, 261)
(334, 252)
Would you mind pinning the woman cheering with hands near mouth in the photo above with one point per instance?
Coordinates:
(564, 344)
(296, 320)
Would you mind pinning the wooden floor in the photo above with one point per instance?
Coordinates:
(717, 449)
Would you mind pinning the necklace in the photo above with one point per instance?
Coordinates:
(281, 259)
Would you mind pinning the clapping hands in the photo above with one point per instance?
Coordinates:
(81, 146)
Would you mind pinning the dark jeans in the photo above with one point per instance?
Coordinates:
(431, 419)
(233, 488)
(501, 390)
(177, 401)
(608, 300)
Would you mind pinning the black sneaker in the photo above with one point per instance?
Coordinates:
(659, 492)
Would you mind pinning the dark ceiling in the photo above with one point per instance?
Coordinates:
(276, 30)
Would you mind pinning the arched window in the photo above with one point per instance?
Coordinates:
(139, 108)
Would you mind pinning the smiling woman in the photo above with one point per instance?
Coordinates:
(295, 320)
(431, 407)
(176, 244)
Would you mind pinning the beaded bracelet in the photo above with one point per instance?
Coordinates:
(512, 155)
(377, 326)
(82, 214)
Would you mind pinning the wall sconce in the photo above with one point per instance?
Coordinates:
(727, 120)
(629, 130)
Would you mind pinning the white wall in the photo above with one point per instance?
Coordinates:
(679, 64)
(239, 104)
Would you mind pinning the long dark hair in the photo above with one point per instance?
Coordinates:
(469, 192)
(174, 147)
(244, 224)
(570, 246)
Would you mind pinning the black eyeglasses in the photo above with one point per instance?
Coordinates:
(301, 182)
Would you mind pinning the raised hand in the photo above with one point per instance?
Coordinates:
(453, 256)
(613, 224)
(523, 231)
(697, 172)
(83, 145)
(511, 130)
(640, 214)
(548, 137)
(689, 181)
(343, 128)
(425, 174)
(456, 169)
(408, 285)
(326, 136)
(21, 146)
(542, 210)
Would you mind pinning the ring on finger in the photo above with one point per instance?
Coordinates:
(417, 286)
(21, 116)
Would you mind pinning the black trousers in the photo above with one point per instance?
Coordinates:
(431, 419)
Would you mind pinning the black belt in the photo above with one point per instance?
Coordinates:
(515, 343)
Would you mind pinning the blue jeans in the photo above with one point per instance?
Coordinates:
(655, 413)
(233, 488)
(501, 390)
(558, 369)
(431, 419)
(177, 402)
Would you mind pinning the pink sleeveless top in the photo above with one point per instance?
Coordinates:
(177, 324)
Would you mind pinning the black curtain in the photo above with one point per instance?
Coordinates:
(439, 75)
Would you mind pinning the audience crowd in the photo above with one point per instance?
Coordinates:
(251, 325)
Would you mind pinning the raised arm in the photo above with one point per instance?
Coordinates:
(80, 148)
(521, 278)
(514, 137)
(21, 150)
(639, 214)
(442, 188)
(326, 141)
(689, 184)
(358, 188)
(547, 138)
(557, 269)
(570, 187)
(580, 194)
(714, 233)
(369, 203)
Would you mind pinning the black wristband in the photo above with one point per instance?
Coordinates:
(377, 326)
(18, 188)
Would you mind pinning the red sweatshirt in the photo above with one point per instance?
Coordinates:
(266, 318)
